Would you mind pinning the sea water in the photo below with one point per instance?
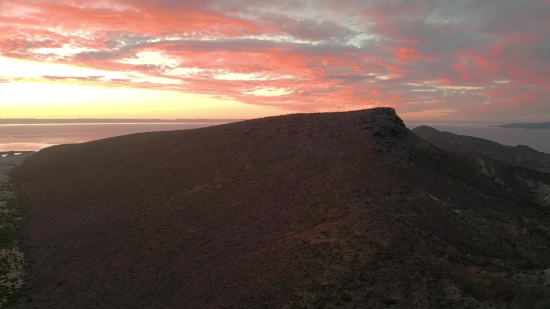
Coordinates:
(33, 137)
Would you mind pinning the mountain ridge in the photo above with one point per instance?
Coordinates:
(520, 155)
(308, 210)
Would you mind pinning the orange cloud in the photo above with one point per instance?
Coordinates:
(407, 53)
(355, 54)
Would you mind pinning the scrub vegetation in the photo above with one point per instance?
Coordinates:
(327, 210)
(12, 260)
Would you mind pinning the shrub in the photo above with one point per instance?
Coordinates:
(389, 301)
(345, 298)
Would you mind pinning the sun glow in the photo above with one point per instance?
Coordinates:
(40, 100)
(307, 56)
(26, 69)
(33, 91)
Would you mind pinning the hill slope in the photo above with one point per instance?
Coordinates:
(300, 211)
(518, 155)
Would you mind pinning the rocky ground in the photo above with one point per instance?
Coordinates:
(332, 210)
(12, 260)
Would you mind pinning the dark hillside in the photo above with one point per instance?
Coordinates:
(519, 155)
(346, 210)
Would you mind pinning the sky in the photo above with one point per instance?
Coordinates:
(449, 60)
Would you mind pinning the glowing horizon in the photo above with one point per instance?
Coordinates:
(236, 59)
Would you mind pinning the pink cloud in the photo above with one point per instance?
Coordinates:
(356, 54)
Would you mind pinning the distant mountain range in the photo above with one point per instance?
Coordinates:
(326, 210)
(535, 126)
(93, 120)
(519, 155)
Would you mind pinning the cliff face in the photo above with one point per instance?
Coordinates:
(519, 155)
(300, 211)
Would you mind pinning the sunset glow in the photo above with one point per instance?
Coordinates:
(430, 59)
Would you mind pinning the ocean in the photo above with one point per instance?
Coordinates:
(33, 137)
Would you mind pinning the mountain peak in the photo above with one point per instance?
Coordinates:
(423, 129)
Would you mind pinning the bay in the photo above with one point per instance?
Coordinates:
(34, 137)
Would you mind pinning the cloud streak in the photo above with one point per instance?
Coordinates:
(474, 58)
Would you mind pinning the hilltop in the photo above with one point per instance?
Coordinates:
(519, 155)
(324, 210)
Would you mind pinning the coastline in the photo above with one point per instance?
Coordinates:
(12, 259)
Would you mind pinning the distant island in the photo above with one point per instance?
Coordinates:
(532, 126)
